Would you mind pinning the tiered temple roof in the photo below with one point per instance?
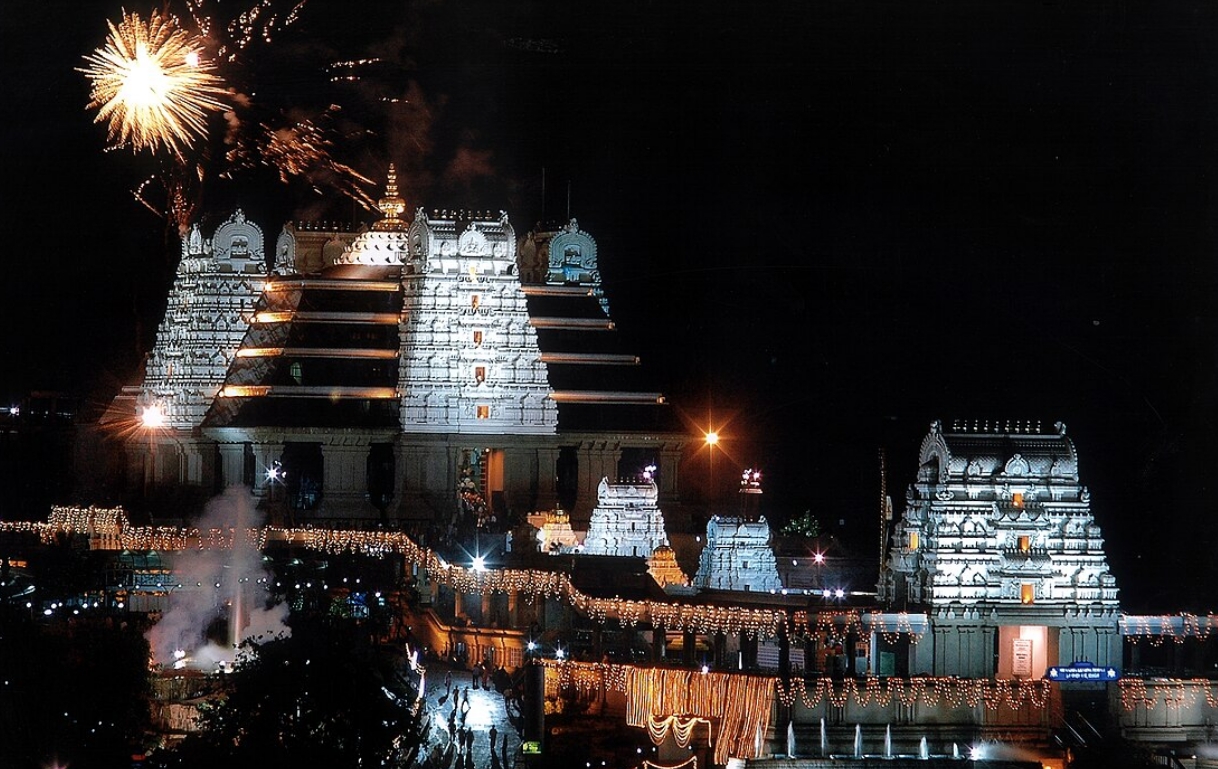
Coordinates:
(998, 517)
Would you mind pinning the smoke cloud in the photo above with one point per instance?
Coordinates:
(218, 588)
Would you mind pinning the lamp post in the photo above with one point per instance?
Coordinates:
(274, 474)
(712, 441)
(152, 419)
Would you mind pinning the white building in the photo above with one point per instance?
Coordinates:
(403, 369)
(626, 520)
(998, 546)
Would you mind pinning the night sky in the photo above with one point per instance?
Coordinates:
(823, 224)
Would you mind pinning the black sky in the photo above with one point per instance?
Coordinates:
(831, 222)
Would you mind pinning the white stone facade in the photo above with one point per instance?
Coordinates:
(997, 543)
(407, 339)
(999, 519)
(737, 556)
(214, 294)
(626, 520)
(469, 358)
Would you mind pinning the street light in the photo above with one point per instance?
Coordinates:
(152, 420)
(712, 440)
(275, 474)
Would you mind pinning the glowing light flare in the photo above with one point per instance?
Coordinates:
(149, 85)
(153, 417)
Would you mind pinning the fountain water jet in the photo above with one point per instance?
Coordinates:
(224, 577)
(791, 739)
(824, 740)
(858, 741)
(923, 751)
(888, 741)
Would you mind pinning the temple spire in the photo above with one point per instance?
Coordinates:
(391, 205)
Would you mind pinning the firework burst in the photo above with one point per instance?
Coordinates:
(150, 85)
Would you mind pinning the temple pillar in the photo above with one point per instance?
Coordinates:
(345, 480)
(669, 474)
(596, 461)
(232, 464)
(194, 462)
(658, 644)
(547, 478)
(513, 599)
(748, 651)
(719, 649)
(689, 646)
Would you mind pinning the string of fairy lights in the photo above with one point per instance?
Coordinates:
(665, 700)
(1171, 692)
(931, 691)
(1158, 629)
(112, 528)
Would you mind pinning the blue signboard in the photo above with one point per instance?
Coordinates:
(1081, 671)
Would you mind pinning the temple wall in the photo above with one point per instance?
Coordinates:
(964, 649)
(1165, 710)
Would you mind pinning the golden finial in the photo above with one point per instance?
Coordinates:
(392, 205)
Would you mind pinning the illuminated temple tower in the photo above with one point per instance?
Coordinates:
(738, 555)
(626, 520)
(387, 370)
(998, 544)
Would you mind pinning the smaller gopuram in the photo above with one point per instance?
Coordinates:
(626, 520)
(738, 555)
(663, 567)
(998, 545)
(554, 533)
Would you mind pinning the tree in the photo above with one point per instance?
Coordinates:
(75, 689)
(803, 526)
(324, 696)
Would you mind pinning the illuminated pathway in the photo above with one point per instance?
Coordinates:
(486, 710)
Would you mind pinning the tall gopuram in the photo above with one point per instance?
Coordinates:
(626, 520)
(402, 369)
(997, 544)
(738, 555)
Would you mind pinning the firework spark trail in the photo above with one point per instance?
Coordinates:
(151, 87)
(261, 112)
(259, 22)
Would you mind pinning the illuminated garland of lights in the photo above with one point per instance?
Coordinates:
(663, 699)
(1172, 692)
(994, 693)
(742, 703)
(689, 763)
(1136, 628)
(111, 526)
(682, 729)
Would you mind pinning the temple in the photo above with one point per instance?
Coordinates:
(436, 388)
(738, 555)
(379, 373)
(626, 520)
(998, 544)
